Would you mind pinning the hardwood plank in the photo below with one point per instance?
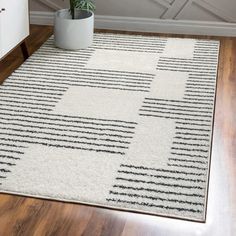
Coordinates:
(30, 216)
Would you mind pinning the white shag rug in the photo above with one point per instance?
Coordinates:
(125, 124)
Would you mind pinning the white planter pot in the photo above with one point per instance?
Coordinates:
(71, 33)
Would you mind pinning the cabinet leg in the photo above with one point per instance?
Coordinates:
(24, 50)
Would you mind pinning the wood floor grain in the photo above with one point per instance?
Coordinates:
(36, 217)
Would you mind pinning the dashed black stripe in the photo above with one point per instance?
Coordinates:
(173, 113)
(193, 95)
(7, 163)
(154, 198)
(81, 117)
(123, 45)
(62, 140)
(202, 75)
(187, 64)
(51, 69)
(32, 83)
(64, 146)
(129, 43)
(80, 81)
(60, 135)
(167, 66)
(158, 191)
(177, 105)
(198, 91)
(191, 144)
(186, 166)
(26, 107)
(173, 109)
(120, 72)
(135, 38)
(74, 126)
(44, 55)
(89, 79)
(153, 205)
(174, 118)
(177, 101)
(190, 123)
(86, 75)
(190, 138)
(68, 120)
(200, 99)
(159, 176)
(69, 130)
(59, 56)
(107, 87)
(11, 145)
(31, 95)
(189, 150)
(181, 70)
(184, 160)
(127, 49)
(13, 98)
(4, 170)
(204, 57)
(49, 47)
(203, 88)
(186, 61)
(28, 103)
(132, 74)
(189, 155)
(9, 157)
(118, 88)
(201, 81)
(200, 85)
(3, 88)
(194, 129)
(35, 88)
(160, 170)
(205, 78)
(11, 151)
(193, 134)
(40, 63)
(160, 183)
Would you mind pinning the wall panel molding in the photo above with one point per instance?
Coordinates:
(52, 5)
(149, 24)
(173, 9)
(163, 3)
(215, 10)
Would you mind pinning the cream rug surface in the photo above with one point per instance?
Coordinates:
(125, 124)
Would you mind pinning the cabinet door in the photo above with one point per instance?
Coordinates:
(14, 24)
(1, 49)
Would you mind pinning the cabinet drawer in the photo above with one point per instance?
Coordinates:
(14, 24)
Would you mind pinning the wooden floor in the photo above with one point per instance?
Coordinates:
(29, 217)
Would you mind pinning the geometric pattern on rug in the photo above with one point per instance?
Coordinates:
(125, 124)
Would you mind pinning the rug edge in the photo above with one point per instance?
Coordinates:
(103, 206)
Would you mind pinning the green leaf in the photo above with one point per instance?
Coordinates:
(86, 5)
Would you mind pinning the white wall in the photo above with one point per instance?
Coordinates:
(218, 16)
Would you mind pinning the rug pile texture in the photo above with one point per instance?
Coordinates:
(126, 124)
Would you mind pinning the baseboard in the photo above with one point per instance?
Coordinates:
(41, 18)
(148, 24)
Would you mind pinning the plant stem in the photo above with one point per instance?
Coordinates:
(72, 9)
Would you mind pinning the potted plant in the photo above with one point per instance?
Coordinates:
(73, 27)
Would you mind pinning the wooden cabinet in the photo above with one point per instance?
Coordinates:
(14, 24)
